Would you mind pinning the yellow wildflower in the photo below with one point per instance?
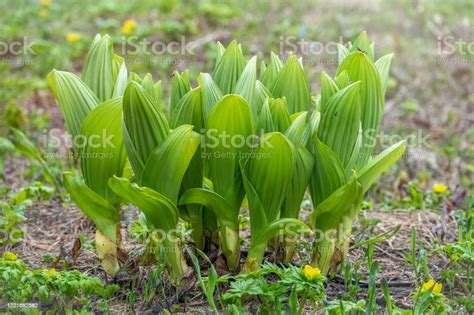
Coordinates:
(440, 188)
(10, 256)
(51, 272)
(128, 27)
(42, 12)
(73, 37)
(311, 273)
(46, 2)
(437, 287)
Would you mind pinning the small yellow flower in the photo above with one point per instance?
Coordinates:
(46, 2)
(10, 256)
(51, 272)
(437, 287)
(128, 27)
(43, 12)
(311, 273)
(440, 188)
(73, 37)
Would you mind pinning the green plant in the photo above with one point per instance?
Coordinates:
(275, 286)
(418, 258)
(461, 252)
(66, 290)
(224, 140)
(351, 109)
(92, 108)
(26, 147)
(208, 286)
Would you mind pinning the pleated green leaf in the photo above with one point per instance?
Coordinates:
(216, 203)
(383, 66)
(246, 87)
(105, 216)
(342, 52)
(342, 80)
(74, 97)
(363, 44)
(189, 110)
(280, 115)
(120, 81)
(262, 93)
(220, 50)
(158, 209)
(167, 164)
(283, 226)
(135, 77)
(258, 216)
(360, 68)
(210, 93)
(291, 82)
(265, 119)
(327, 215)
(340, 122)
(300, 129)
(98, 72)
(162, 214)
(231, 118)
(102, 154)
(304, 163)
(148, 85)
(145, 125)
(274, 152)
(271, 72)
(380, 164)
(335, 214)
(229, 68)
(328, 173)
(179, 87)
(328, 89)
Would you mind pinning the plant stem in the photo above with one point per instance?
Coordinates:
(302, 303)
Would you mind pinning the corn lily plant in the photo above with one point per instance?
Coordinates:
(350, 114)
(92, 109)
(241, 133)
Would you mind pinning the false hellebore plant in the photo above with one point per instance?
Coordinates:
(241, 135)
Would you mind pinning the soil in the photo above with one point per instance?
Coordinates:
(54, 229)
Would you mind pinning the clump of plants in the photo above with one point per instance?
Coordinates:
(65, 290)
(245, 132)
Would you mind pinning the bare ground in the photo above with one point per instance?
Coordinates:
(53, 229)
